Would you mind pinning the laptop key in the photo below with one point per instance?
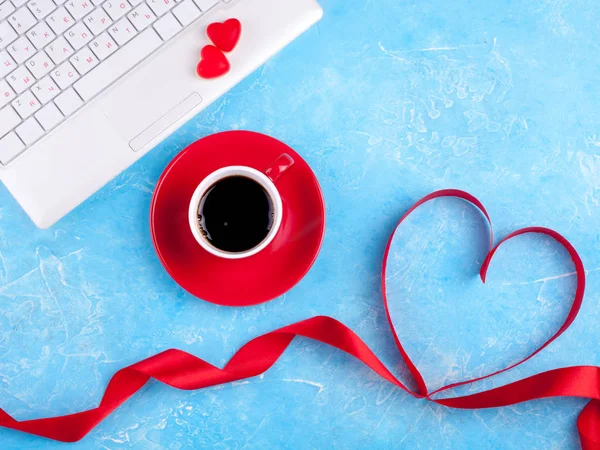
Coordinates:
(65, 75)
(167, 26)
(6, 9)
(30, 131)
(186, 12)
(205, 5)
(10, 147)
(40, 35)
(159, 7)
(18, 3)
(60, 20)
(118, 64)
(79, 8)
(21, 49)
(45, 90)
(41, 8)
(97, 21)
(8, 119)
(22, 20)
(141, 17)
(20, 79)
(116, 8)
(68, 102)
(7, 34)
(122, 31)
(103, 46)
(49, 116)
(26, 104)
(7, 95)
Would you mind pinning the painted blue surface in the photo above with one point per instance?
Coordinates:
(387, 100)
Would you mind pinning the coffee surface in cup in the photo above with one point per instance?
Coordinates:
(235, 214)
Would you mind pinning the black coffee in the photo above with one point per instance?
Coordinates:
(235, 214)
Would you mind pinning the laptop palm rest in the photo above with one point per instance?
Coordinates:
(162, 124)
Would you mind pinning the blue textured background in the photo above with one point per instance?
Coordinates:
(387, 100)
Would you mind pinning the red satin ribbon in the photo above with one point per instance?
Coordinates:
(184, 371)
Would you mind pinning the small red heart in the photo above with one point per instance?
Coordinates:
(213, 63)
(225, 35)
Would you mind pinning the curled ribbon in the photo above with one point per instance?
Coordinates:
(181, 370)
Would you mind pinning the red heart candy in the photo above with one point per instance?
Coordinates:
(225, 35)
(213, 63)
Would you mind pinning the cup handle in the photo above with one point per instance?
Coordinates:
(279, 167)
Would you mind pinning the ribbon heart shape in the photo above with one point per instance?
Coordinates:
(181, 370)
(422, 388)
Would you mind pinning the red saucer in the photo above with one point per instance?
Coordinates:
(261, 277)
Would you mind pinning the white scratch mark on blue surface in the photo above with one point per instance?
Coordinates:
(3, 270)
(410, 429)
(16, 281)
(554, 277)
(310, 383)
(593, 140)
(262, 422)
(384, 415)
(386, 386)
(429, 49)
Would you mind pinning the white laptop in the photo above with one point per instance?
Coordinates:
(87, 87)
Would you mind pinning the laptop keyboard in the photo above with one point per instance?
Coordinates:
(56, 55)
